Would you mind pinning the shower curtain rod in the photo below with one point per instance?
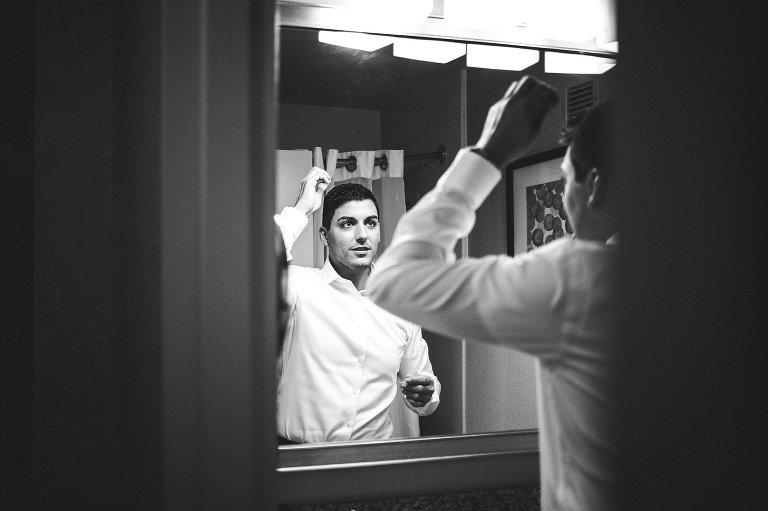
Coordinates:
(382, 162)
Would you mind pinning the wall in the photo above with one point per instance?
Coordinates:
(136, 248)
(147, 274)
(501, 381)
(691, 137)
(345, 129)
(17, 36)
(418, 124)
(75, 354)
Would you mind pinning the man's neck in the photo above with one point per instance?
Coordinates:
(357, 277)
(598, 228)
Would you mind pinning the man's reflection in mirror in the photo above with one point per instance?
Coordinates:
(343, 357)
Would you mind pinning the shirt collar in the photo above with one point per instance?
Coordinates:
(330, 275)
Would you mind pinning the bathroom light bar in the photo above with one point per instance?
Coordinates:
(500, 57)
(430, 51)
(355, 40)
(570, 63)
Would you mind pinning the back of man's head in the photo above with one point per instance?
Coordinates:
(340, 195)
(590, 141)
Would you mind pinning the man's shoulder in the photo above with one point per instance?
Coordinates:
(302, 275)
(295, 268)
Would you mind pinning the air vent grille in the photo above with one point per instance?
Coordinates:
(579, 99)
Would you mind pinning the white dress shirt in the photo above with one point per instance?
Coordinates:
(556, 303)
(343, 356)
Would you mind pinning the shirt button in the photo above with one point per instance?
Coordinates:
(354, 391)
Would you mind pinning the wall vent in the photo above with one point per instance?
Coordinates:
(578, 99)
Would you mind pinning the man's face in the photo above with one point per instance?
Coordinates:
(576, 194)
(353, 236)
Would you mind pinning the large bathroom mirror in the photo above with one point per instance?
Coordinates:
(337, 98)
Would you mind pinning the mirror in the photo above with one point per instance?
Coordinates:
(332, 97)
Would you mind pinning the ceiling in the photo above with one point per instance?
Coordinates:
(316, 73)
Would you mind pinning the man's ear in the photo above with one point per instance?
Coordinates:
(596, 188)
(323, 235)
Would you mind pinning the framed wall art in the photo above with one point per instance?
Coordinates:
(536, 213)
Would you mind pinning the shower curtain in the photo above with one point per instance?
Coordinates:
(389, 189)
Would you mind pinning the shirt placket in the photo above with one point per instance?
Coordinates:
(360, 354)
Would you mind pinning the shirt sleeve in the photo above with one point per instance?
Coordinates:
(497, 299)
(291, 222)
(415, 361)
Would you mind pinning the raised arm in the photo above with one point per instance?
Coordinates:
(293, 220)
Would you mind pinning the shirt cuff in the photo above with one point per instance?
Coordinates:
(472, 176)
(292, 220)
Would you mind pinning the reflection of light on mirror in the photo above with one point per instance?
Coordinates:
(500, 57)
(408, 12)
(576, 64)
(607, 40)
(430, 51)
(518, 22)
(576, 21)
(357, 41)
(485, 14)
(608, 45)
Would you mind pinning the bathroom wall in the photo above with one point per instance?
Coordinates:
(345, 129)
(418, 124)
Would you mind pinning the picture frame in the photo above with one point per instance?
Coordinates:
(533, 171)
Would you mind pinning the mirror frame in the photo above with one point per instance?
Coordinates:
(310, 474)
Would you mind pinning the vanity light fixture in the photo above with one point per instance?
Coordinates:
(573, 63)
(428, 50)
(355, 40)
(500, 57)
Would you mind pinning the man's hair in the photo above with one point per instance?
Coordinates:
(590, 141)
(340, 195)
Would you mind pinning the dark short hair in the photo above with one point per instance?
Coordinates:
(590, 141)
(340, 195)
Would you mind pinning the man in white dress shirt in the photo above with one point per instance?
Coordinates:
(343, 357)
(556, 303)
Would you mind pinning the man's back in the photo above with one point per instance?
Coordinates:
(576, 378)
